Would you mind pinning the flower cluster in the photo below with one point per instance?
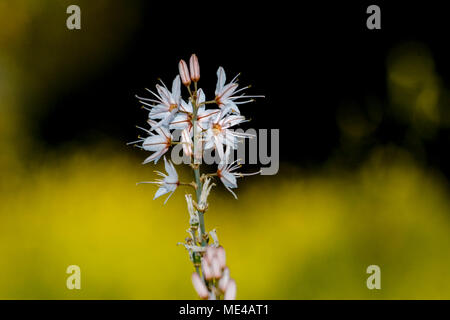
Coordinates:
(202, 129)
(217, 281)
(168, 111)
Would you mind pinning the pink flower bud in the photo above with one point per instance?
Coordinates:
(230, 292)
(223, 282)
(184, 73)
(207, 270)
(221, 257)
(215, 266)
(195, 68)
(210, 254)
(199, 286)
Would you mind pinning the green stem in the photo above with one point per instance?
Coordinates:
(197, 270)
(200, 214)
(197, 169)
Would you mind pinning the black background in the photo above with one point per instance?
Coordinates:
(306, 58)
(277, 309)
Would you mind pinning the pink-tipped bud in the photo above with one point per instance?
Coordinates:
(207, 270)
(223, 282)
(221, 257)
(195, 68)
(184, 73)
(230, 292)
(215, 266)
(199, 286)
(210, 254)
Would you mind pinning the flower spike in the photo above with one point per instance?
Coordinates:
(200, 129)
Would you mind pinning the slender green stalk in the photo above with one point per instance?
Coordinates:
(196, 168)
(200, 214)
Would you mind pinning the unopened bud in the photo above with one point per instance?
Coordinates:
(194, 68)
(207, 271)
(184, 73)
(217, 273)
(199, 286)
(210, 254)
(221, 257)
(223, 282)
(230, 292)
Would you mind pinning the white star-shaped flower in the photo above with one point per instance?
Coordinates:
(226, 174)
(219, 133)
(158, 142)
(183, 119)
(169, 181)
(227, 97)
(166, 102)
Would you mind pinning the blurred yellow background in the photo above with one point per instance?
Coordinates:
(308, 237)
(311, 236)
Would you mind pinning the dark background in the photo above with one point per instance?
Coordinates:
(306, 58)
(364, 118)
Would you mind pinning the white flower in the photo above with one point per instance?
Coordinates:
(226, 94)
(226, 174)
(183, 119)
(159, 142)
(169, 181)
(219, 134)
(204, 117)
(227, 177)
(167, 102)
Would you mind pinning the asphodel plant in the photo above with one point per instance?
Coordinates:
(202, 129)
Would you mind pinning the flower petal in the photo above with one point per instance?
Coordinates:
(220, 80)
(161, 191)
(176, 89)
(154, 143)
(228, 179)
(155, 156)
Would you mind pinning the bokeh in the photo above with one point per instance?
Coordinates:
(375, 193)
